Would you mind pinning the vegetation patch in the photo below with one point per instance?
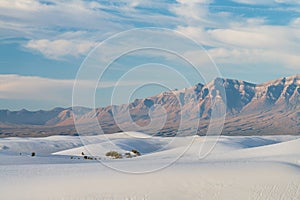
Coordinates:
(114, 154)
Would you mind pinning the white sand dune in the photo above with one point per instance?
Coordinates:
(260, 167)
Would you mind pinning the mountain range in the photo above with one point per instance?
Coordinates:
(269, 108)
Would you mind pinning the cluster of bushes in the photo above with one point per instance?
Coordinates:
(114, 154)
(85, 157)
(75, 157)
(89, 158)
(32, 154)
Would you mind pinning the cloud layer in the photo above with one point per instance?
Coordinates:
(241, 36)
(59, 29)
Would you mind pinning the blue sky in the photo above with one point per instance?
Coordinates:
(44, 42)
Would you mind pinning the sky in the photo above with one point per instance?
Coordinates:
(44, 43)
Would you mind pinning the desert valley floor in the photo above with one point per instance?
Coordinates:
(241, 167)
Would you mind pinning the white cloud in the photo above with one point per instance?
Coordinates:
(29, 87)
(255, 56)
(241, 41)
(260, 46)
(295, 22)
(199, 34)
(20, 4)
(103, 17)
(232, 33)
(194, 11)
(266, 2)
(56, 13)
(14, 86)
(253, 2)
(59, 48)
(288, 1)
(256, 37)
(45, 24)
(35, 20)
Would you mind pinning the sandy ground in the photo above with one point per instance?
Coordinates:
(264, 167)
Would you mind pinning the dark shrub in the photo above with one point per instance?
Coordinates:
(128, 155)
(136, 152)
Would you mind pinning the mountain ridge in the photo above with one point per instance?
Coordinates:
(272, 107)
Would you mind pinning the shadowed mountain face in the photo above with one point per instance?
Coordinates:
(269, 108)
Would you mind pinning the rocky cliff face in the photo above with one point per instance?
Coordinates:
(269, 108)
